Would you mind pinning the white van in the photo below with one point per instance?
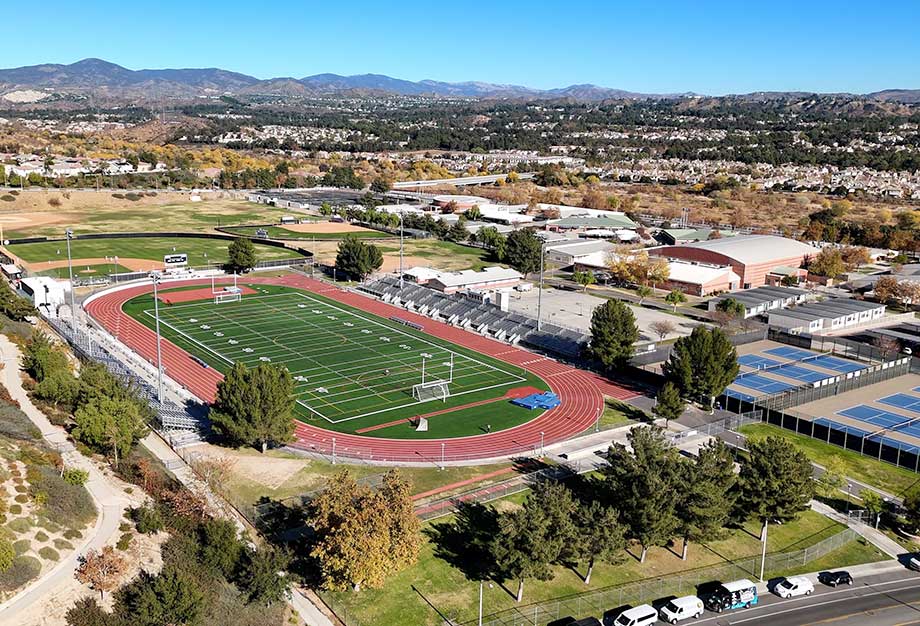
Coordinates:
(642, 615)
(680, 609)
(795, 586)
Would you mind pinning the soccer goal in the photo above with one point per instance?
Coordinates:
(431, 390)
(229, 294)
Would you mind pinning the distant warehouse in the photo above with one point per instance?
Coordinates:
(826, 316)
(756, 259)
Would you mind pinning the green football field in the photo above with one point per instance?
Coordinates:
(200, 250)
(352, 370)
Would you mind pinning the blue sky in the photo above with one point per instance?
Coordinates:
(712, 47)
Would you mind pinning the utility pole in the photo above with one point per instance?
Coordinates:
(763, 553)
(73, 303)
(156, 315)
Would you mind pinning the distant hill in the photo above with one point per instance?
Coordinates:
(103, 78)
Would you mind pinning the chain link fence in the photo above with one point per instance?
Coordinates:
(646, 591)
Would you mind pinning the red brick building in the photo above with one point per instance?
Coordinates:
(751, 257)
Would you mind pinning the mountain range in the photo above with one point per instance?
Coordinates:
(108, 80)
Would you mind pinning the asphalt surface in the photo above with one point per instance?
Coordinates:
(881, 600)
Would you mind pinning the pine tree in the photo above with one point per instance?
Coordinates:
(601, 536)
(709, 494)
(523, 251)
(254, 406)
(702, 364)
(241, 255)
(642, 484)
(668, 404)
(356, 258)
(613, 335)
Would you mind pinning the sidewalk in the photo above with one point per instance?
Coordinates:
(877, 538)
(109, 501)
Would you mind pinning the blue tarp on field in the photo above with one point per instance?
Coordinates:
(546, 400)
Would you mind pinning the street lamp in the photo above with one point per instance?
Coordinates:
(541, 443)
(878, 516)
(540, 292)
(597, 420)
(73, 303)
(442, 455)
(333, 450)
(156, 314)
(480, 601)
(849, 487)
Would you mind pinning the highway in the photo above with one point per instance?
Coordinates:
(461, 180)
(880, 600)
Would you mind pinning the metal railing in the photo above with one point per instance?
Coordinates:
(599, 601)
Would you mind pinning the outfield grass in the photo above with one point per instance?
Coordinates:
(280, 232)
(887, 477)
(456, 597)
(200, 251)
(352, 370)
(79, 270)
(474, 258)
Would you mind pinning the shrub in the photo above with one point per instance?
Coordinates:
(75, 476)
(15, 424)
(72, 533)
(15, 509)
(21, 489)
(41, 536)
(120, 196)
(15, 192)
(133, 197)
(21, 498)
(7, 554)
(23, 569)
(48, 525)
(49, 554)
(148, 519)
(124, 527)
(21, 546)
(59, 387)
(7, 197)
(62, 544)
(20, 525)
(55, 202)
(124, 542)
(69, 505)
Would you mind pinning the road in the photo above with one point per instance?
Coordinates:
(460, 180)
(881, 600)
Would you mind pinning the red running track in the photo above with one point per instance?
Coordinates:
(581, 392)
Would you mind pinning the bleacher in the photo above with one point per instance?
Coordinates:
(478, 316)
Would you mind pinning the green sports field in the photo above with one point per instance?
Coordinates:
(280, 232)
(352, 370)
(200, 250)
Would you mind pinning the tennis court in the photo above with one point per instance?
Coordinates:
(836, 364)
(875, 416)
(903, 401)
(797, 372)
(346, 364)
(764, 385)
(757, 361)
(788, 352)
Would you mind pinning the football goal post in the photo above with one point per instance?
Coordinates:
(431, 390)
(229, 294)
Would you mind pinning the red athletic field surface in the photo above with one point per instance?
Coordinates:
(192, 295)
(580, 391)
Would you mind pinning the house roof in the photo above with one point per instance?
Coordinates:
(612, 221)
(470, 277)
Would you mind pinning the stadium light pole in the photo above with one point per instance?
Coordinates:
(442, 455)
(156, 314)
(597, 420)
(541, 444)
(400, 248)
(73, 302)
(540, 292)
(333, 450)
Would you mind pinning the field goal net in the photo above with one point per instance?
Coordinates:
(432, 390)
(228, 294)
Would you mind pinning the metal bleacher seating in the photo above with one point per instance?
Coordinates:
(473, 314)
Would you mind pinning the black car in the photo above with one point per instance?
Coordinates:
(587, 621)
(832, 579)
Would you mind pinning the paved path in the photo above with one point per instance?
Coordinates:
(877, 538)
(109, 500)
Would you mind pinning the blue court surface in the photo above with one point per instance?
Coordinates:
(882, 419)
(798, 372)
(903, 401)
(762, 384)
(850, 430)
(856, 432)
(788, 352)
(756, 361)
(836, 364)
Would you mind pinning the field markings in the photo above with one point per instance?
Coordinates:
(294, 352)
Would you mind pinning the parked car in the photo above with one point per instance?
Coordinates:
(832, 579)
(642, 615)
(794, 586)
(680, 609)
(586, 621)
(738, 594)
(914, 563)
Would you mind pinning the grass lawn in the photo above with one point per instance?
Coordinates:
(617, 413)
(280, 232)
(853, 553)
(474, 258)
(200, 251)
(80, 270)
(351, 369)
(894, 480)
(456, 597)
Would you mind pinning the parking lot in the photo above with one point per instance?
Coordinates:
(572, 309)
